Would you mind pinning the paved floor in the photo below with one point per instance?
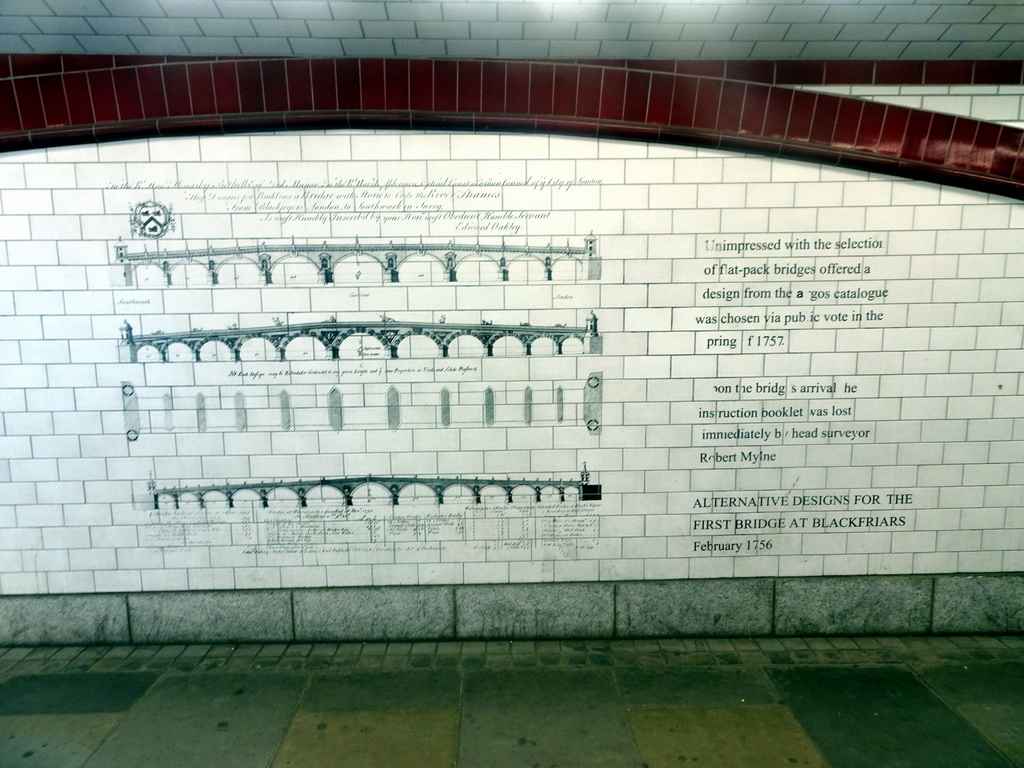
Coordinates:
(839, 702)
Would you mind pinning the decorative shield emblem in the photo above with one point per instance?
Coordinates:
(151, 219)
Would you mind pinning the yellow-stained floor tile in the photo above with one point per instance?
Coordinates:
(734, 737)
(377, 739)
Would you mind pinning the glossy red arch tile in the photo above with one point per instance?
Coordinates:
(48, 100)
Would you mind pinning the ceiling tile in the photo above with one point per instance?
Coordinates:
(247, 9)
(635, 13)
(907, 14)
(801, 14)
(18, 25)
(469, 11)
(620, 28)
(157, 45)
(63, 25)
(302, 9)
(865, 32)
(358, 10)
(419, 11)
(726, 50)
(970, 32)
(54, 43)
(961, 13)
(918, 32)
(777, 50)
(760, 32)
(117, 25)
(14, 44)
(193, 9)
(932, 51)
(318, 47)
(133, 8)
(852, 14)
(813, 32)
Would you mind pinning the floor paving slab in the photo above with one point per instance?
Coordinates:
(199, 721)
(990, 696)
(761, 736)
(72, 693)
(377, 739)
(866, 717)
(694, 686)
(49, 741)
(419, 689)
(935, 702)
(555, 718)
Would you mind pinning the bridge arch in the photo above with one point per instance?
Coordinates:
(305, 348)
(213, 501)
(419, 493)
(373, 493)
(239, 270)
(423, 267)
(284, 497)
(418, 345)
(524, 494)
(297, 269)
(355, 267)
(324, 493)
(465, 344)
(507, 344)
(215, 350)
(179, 351)
(245, 498)
(357, 346)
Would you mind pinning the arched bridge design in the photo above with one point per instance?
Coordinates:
(394, 484)
(325, 257)
(390, 333)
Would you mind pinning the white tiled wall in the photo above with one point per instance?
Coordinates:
(766, 402)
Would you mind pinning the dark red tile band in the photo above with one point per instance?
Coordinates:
(49, 100)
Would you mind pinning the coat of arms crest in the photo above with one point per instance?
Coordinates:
(151, 219)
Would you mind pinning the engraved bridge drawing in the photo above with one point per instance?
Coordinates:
(326, 257)
(393, 485)
(387, 331)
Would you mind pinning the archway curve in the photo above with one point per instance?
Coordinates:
(689, 103)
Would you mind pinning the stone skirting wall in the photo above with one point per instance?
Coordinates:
(873, 605)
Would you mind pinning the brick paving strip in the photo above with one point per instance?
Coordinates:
(317, 658)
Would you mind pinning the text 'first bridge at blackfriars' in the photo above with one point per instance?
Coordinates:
(387, 332)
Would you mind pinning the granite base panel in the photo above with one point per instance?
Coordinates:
(763, 607)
